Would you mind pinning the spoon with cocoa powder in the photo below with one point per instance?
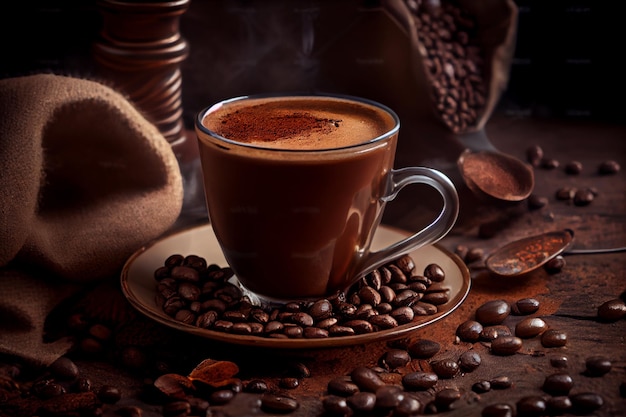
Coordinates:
(489, 172)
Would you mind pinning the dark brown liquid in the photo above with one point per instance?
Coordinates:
(295, 225)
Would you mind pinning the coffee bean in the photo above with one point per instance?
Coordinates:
(434, 272)
(474, 255)
(469, 331)
(281, 404)
(597, 365)
(64, 368)
(559, 361)
(573, 168)
(221, 396)
(109, 394)
(558, 405)
(321, 309)
(383, 321)
(555, 265)
(388, 397)
(525, 306)
(129, 411)
(366, 379)
(362, 402)
(395, 358)
(289, 383)
(493, 312)
(506, 345)
(553, 338)
(549, 163)
(558, 384)
(612, 310)
(501, 382)
(336, 406)
(342, 386)
(469, 361)
(498, 410)
(419, 380)
(423, 349)
(445, 368)
(536, 202)
(586, 402)
(530, 327)
(256, 386)
(534, 155)
(408, 406)
(531, 406)
(490, 333)
(47, 388)
(445, 398)
(403, 314)
(481, 386)
(609, 167)
(565, 193)
(583, 197)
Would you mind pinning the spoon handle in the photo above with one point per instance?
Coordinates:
(592, 251)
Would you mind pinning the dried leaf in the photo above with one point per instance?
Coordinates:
(174, 385)
(214, 373)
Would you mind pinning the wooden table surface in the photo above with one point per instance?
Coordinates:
(568, 299)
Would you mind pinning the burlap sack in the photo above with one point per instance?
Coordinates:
(461, 51)
(85, 180)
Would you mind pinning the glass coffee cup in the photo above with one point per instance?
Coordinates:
(296, 186)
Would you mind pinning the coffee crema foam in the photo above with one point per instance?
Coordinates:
(299, 123)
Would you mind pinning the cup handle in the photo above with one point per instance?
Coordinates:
(436, 230)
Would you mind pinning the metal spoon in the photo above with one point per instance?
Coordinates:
(487, 171)
(525, 255)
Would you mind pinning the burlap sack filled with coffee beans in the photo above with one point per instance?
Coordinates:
(85, 180)
(461, 52)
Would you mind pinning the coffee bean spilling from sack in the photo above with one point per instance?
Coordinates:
(193, 292)
(453, 62)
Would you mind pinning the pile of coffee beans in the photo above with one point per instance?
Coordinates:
(453, 61)
(200, 294)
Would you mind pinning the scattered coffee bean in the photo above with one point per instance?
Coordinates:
(469, 361)
(281, 404)
(481, 386)
(583, 197)
(395, 358)
(531, 406)
(221, 396)
(366, 379)
(559, 361)
(109, 394)
(565, 193)
(493, 312)
(445, 368)
(388, 397)
(419, 380)
(490, 333)
(423, 349)
(445, 398)
(555, 265)
(342, 386)
(506, 345)
(525, 306)
(336, 406)
(530, 327)
(536, 202)
(559, 405)
(586, 402)
(597, 365)
(534, 155)
(549, 163)
(474, 255)
(289, 383)
(573, 167)
(558, 384)
(469, 331)
(501, 382)
(362, 402)
(498, 410)
(612, 310)
(408, 406)
(64, 368)
(609, 167)
(257, 386)
(552, 338)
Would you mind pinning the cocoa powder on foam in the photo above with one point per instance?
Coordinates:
(254, 125)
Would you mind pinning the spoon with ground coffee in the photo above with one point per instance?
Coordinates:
(527, 254)
(489, 172)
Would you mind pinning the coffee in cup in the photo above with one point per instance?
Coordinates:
(296, 186)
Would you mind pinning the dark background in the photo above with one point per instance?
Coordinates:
(567, 60)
